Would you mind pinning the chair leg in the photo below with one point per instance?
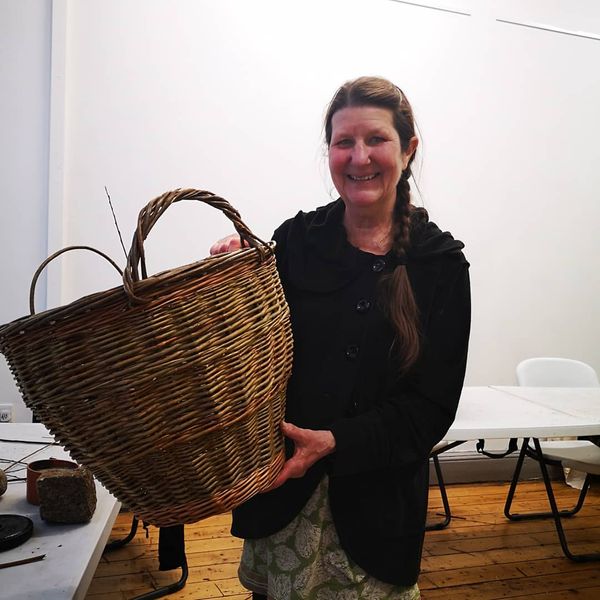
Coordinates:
(515, 480)
(160, 592)
(444, 495)
(556, 513)
(167, 589)
(116, 544)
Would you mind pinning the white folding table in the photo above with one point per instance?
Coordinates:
(502, 412)
(72, 552)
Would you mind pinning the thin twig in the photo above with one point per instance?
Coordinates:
(22, 460)
(45, 442)
(115, 220)
(23, 561)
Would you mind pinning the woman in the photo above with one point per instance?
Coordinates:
(380, 307)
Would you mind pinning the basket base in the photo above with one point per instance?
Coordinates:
(215, 504)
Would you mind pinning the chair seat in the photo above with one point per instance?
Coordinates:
(576, 454)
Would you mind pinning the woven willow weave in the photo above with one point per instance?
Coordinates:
(170, 388)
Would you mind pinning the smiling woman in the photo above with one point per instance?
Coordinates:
(370, 132)
(380, 306)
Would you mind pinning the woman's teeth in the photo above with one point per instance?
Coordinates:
(362, 178)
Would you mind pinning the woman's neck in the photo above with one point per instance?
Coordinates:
(368, 231)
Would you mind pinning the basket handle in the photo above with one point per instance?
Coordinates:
(51, 258)
(150, 214)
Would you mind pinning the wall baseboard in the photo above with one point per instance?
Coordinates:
(472, 467)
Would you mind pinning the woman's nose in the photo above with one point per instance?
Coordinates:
(360, 154)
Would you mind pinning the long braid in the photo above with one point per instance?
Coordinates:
(398, 298)
(402, 216)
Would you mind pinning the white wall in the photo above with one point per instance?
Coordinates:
(24, 118)
(229, 96)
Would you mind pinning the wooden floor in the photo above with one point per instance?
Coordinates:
(480, 556)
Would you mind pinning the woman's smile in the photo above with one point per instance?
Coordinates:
(363, 177)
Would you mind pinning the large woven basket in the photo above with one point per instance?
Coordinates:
(170, 388)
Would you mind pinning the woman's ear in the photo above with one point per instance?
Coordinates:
(412, 146)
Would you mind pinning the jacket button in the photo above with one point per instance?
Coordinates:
(351, 352)
(378, 265)
(362, 306)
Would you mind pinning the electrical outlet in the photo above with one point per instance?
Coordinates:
(6, 413)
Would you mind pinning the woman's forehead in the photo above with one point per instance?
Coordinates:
(359, 117)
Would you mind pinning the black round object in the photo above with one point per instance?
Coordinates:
(14, 530)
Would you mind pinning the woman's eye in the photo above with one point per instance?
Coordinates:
(344, 143)
(377, 139)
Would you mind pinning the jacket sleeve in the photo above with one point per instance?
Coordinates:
(400, 430)
(280, 238)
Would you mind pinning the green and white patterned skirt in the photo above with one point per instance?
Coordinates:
(305, 561)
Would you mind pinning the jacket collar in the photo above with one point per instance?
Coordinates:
(321, 258)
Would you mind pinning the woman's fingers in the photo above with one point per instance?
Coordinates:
(286, 473)
(291, 431)
(310, 446)
(226, 244)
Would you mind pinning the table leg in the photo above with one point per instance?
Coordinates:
(556, 514)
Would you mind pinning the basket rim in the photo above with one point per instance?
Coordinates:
(173, 276)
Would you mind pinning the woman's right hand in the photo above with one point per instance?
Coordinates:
(227, 244)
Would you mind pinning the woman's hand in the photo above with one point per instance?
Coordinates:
(227, 244)
(310, 446)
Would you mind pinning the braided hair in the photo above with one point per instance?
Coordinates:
(396, 294)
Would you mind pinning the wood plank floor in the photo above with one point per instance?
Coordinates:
(480, 556)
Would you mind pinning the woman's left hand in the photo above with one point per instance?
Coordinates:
(310, 446)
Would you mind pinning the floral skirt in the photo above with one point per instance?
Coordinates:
(304, 561)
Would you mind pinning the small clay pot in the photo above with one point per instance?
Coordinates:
(3, 482)
(36, 468)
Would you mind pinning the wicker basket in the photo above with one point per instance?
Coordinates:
(170, 388)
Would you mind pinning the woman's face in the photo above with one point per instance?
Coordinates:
(365, 156)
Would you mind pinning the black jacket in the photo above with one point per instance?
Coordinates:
(345, 378)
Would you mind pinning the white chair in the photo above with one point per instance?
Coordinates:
(556, 372)
(559, 372)
(582, 455)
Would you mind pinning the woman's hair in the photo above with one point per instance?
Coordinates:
(398, 300)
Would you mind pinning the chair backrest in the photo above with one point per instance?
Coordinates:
(556, 372)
